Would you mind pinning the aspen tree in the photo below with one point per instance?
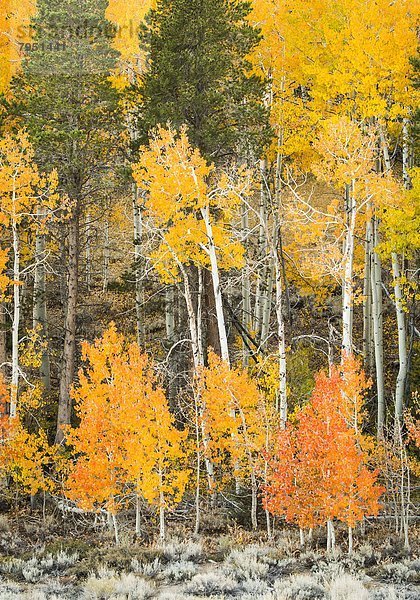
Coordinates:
(22, 190)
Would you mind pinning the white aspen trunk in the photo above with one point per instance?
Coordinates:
(198, 357)
(106, 257)
(170, 336)
(282, 394)
(40, 300)
(402, 340)
(224, 348)
(138, 233)
(16, 319)
(278, 270)
(116, 532)
(330, 536)
(367, 300)
(376, 272)
(162, 528)
(268, 524)
(350, 540)
(402, 334)
(197, 350)
(198, 472)
(3, 347)
(199, 318)
(246, 290)
(347, 341)
(301, 536)
(254, 501)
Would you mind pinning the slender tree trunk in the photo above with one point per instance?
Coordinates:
(88, 254)
(197, 349)
(223, 339)
(115, 527)
(138, 515)
(301, 537)
(171, 337)
(267, 302)
(376, 272)
(198, 471)
(402, 333)
(350, 540)
(281, 334)
(138, 234)
(330, 536)
(262, 255)
(367, 301)
(198, 359)
(106, 256)
(40, 301)
(16, 321)
(162, 528)
(402, 340)
(347, 343)
(254, 501)
(246, 289)
(3, 344)
(69, 351)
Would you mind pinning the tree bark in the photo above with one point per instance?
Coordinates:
(402, 340)
(3, 344)
(402, 333)
(347, 343)
(367, 301)
(138, 233)
(246, 290)
(16, 320)
(106, 253)
(281, 333)
(221, 325)
(40, 321)
(376, 272)
(69, 350)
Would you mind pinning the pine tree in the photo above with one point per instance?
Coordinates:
(71, 112)
(199, 76)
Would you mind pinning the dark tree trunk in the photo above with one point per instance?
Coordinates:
(69, 350)
(211, 328)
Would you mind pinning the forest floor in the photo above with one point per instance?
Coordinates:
(70, 559)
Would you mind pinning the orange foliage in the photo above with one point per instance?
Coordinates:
(318, 471)
(126, 435)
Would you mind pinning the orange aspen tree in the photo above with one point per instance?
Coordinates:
(126, 437)
(324, 474)
(22, 190)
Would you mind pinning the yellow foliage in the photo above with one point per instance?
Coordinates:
(236, 417)
(15, 18)
(180, 185)
(126, 435)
